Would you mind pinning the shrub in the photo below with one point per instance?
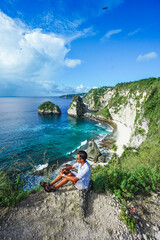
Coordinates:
(11, 191)
(128, 218)
(114, 147)
(125, 184)
(105, 113)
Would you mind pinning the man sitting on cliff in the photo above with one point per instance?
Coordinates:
(80, 179)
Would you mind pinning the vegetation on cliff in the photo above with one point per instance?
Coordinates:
(104, 113)
(95, 94)
(148, 154)
(49, 106)
(137, 171)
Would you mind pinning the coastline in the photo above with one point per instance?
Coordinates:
(122, 132)
(120, 135)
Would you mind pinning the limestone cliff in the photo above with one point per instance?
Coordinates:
(77, 108)
(123, 104)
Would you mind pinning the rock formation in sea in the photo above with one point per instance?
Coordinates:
(94, 153)
(49, 108)
(77, 108)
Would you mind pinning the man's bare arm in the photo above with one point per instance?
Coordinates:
(67, 168)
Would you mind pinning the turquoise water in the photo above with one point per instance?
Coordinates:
(28, 135)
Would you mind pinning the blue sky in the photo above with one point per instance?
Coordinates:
(54, 47)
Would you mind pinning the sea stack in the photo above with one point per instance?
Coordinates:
(77, 108)
(93, 151)
(49, 108)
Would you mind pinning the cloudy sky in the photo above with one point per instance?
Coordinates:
(54, 47)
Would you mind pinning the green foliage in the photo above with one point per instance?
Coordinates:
(125, 184)
(11, 192)
(114, 160)
(118, 100)
(96, 94)
(140, 85)
(77, 98)
(105, 113)
(128, 218)
(114, 147)
(48, 106)
(147, 154)
(140, 130)
(12, 182)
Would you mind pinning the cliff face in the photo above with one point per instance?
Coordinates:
(126, 105)
(77, 108)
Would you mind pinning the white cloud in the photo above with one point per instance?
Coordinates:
(147, 57)
(72, 62)
(30, 55)
(134, 32)
(81, 89)
(112, 32)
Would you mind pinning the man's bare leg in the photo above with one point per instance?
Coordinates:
(59, 177)
(61, 183)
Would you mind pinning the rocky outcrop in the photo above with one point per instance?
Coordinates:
(77, 108)
(49, 108)
(60, 215)
(93, 152)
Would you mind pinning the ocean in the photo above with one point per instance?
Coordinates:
(29, 138)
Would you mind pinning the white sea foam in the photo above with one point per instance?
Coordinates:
(82, 144)
(41, 166)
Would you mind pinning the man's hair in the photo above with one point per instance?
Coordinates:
(82, 155)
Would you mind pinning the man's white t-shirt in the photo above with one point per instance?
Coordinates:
(84, 173)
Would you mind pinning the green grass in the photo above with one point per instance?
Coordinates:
(105, 113)
(12, 182)
(11, 192)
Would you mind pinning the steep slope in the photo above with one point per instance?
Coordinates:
(136, 105)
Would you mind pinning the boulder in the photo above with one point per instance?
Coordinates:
(49, 108)
(77, 108)
(102, 159)
(93, 151)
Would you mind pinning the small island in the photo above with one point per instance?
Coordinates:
(49, 108)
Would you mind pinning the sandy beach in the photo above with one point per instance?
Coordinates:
(123, 137)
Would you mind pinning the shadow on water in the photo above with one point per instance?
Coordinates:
(76, 120)
(49, 117)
